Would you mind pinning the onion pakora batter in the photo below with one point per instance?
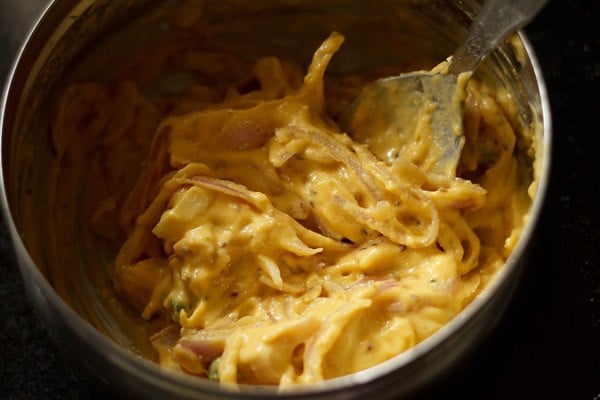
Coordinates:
(265, 245)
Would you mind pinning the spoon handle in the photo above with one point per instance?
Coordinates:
(494, 22)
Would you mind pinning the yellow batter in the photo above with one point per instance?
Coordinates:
(268, 247)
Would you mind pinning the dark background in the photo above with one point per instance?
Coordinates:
(547, 345)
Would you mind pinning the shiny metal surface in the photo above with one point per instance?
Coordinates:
(16, 19)
(496, 20)
(40, 65)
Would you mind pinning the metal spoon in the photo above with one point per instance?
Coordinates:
(419, 114)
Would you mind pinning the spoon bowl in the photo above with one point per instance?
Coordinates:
(424, 108)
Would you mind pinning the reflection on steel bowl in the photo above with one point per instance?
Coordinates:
(187, 211)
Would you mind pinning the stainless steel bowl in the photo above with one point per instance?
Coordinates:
(48, 229)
